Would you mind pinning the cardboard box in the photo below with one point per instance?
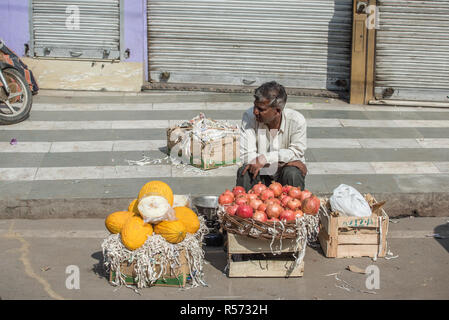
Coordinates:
(347, 237)
(208, 155)
(177, 277)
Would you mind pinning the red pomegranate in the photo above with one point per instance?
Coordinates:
(299, 213)
(258, 188)
(287, 215)
(285, 201)
(266, 194)
(238, 190)
(255, 203)
(245, 211)
(252, 196)
(294, 192)
(262, 207)
(294, 204)
(225, 198)
(311, 205)
(276, 187)
(305, 194)
(260, 216)
(286, 189)
(274, 210)
(241, 199)
(232, 209)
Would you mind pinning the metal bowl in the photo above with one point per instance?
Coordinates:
(207, 206)
(206, 202)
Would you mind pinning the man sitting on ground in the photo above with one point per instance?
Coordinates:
(272, 141)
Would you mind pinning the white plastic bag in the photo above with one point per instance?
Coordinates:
(154, 208)
(349, 201)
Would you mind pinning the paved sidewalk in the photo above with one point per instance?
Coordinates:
(37, 253)
(72, 155)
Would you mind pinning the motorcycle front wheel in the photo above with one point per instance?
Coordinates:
(16, 106)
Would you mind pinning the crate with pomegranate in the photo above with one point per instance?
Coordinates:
(268, 229)
(343, 236)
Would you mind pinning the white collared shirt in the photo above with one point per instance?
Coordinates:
(289, 143)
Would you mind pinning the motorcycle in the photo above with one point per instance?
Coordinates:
(17, 87)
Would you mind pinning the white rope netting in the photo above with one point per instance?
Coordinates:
(200, 129)
(156, 258)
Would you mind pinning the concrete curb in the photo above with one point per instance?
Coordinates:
(397, 205)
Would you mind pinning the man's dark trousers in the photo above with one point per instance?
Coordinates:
(286, 176)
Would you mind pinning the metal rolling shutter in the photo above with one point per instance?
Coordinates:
(97, 37)
(412, 54)
(302, 44)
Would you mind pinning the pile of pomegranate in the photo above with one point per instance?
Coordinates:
(272, 203)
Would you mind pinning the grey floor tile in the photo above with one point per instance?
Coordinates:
(434, 132)
(433, 115)
(15, 190)
(82, 159)
(73, 189)
(423, 183)
(336, 114)
(391, 115)
(316, 184)
(310, 157)
(379, 155)
(83, 135)
(21, 160)
(364, 133)
(363, 183)
(123, 115)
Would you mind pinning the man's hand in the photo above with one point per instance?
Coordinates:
(255, 166)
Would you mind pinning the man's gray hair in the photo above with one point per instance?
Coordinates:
(273, 92)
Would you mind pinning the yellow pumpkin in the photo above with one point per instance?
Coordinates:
(135, 232)
(172, 231)
(133, 207)
(115, 221)
(159, 188)
(189, 218)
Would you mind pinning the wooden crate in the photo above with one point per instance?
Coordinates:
(212, 154)
(350, 237)
(257, 259)
(176, 276)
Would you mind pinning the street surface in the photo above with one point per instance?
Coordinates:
(38, 259)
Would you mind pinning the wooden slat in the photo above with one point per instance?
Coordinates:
(238, 244)
(370, 60)
(358, 59)
(328, 244)
(368, 222)
(324, 220)
(357, 250)
(264, 268)
(358, 239)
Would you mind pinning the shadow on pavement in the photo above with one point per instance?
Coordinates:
(442, 235)
(216, 256)
(98, 268)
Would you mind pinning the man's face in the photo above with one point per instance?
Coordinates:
(263, 112)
